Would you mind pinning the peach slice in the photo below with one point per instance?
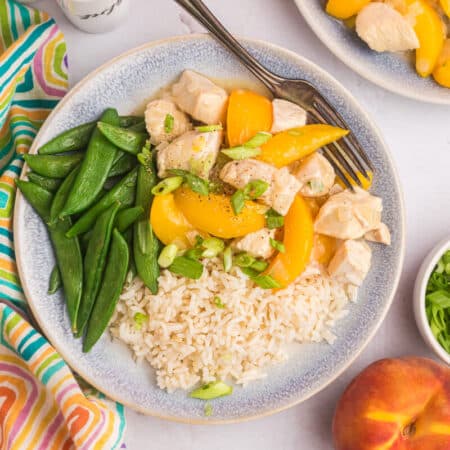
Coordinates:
(344, 9)
(442, 71)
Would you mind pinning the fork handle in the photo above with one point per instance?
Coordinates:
(203, 15)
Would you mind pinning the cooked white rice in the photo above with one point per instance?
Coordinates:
(188, 339)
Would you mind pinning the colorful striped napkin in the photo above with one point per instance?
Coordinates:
(42, 405)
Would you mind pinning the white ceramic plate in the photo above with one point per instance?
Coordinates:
(391, 71)
(125, 83)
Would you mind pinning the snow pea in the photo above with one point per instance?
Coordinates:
(61, 195)
(126, 139)
(124, 164)
(67, 250)
(129, 121)
(74, 139)
(53, 166)
(55, 281)
(94, 263)
(127, 217)
(140, 127)
(110, 290)
(145, 244)
(123, 192)
(94, 169)
(50, 184)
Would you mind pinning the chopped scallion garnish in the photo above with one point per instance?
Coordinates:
(254, 189)
(212, 390)
(167, 185)
(213, 246)
(218, 302)
(266, 282)
(274, 220)
(244, 260)
(139, 320)
(167, 255)
(238, 201)
(208, 128)
(197, 184)
(259, 139)
(169, 123)
(259, 265)
(241, 152)
(187, 267)
(227, 259)
(277, 245)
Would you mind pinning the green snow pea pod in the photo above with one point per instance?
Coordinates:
(127, 217)
(124, 164)
(53, 166)
(67, 250)
(94, 263)
(123, 192)
(129, 121)
(50, 184)
(145, 244)
(128, 140)
(140, 127)
(110, 289)
(60, 197)
(94, 170)
(74, 139)
(55, 281)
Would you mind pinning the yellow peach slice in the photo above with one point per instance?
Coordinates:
(344, 9)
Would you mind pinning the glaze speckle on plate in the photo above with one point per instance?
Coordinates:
(109, 366)
(394, 72)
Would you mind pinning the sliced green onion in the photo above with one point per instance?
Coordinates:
(274, 220)
(197, 184)
(167, 255)
(316, 185)
(212, 390)
(209, 128)
(277, 245)
(440, 266)
(208, 410)
(169, 123)
(198, 240)
(266, 282)
(186, 267)
(259, 265)
(167, 185)
(259, 139)
(238, 201)
(244, 260)
(254, 189)
(227, 259)
(241, 152)
(218, 302)
(139, 320)
(213, 246)
(194, 253)
(440, 299)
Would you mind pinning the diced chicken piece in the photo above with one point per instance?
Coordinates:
(351, 263)
(156, 119)
(349, 215)
(382, 235)
(256, 244)
(316, 175)
(282, 189)
(193, 151)
(287, 115)
(200, 98)
(384, 29)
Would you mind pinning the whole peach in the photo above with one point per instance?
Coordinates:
(395, 404)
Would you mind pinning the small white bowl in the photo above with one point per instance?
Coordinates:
(420, 287)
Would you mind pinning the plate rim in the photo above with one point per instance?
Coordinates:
(361, 69)
(71, 360)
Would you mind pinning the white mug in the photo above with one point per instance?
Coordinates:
(95, 16)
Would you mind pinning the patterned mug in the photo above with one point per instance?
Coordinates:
(95, 16)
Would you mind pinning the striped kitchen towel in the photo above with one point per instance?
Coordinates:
(42, 406)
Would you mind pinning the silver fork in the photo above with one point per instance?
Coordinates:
(346, 155)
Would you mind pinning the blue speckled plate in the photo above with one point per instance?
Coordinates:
(124, 83)
(391, 71)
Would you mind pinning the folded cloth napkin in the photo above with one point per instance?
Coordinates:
(42, 405)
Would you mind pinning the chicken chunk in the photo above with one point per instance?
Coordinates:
(349, 215)
(283, 186)
(201, 98)
(351, 263)
(256, 244)
(193, 151)
(384, 29)
(316, 175)
(287, 115)
(382, 235)
(156, 115)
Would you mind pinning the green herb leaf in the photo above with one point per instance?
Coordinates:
(197, 184)
(187, 267)
(277, 245)
(254, 189)
(169, 123)
(208, 128)
(218, 302)
(139, 320)
(238, 201)
(274, 220)
(212, 390)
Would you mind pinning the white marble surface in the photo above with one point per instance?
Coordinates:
(419, 137)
